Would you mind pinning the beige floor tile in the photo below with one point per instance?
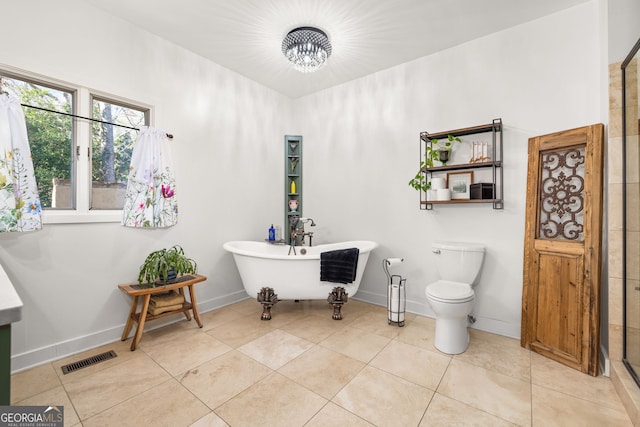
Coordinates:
(218, 380)
(555, 376)
(420, 366)
(384, 399)
(377, 323)
(210, 420)
(445, 412)
(552, 408)
(54, 397)
(498, 394)
(360, 307)
(168, 404)
(420, 332)
(219, 317)
(103, 389)
(322, 371)
(356, 343)
(33, 382)
(314, 328)
(501, 354)
(276, 400)
(188, 354)
(235, 334)
(316, 359)
(334, 415)
(280, 316)
(275, 348)
(246, 306)
(167, 335)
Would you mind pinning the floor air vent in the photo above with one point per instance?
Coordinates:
(72, 367)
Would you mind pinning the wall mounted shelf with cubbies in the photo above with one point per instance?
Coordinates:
(489, 167)
(292, 181)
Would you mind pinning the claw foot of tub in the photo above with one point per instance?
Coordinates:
(337, 298)
(267, 297)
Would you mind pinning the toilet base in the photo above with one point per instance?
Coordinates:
(452, 336)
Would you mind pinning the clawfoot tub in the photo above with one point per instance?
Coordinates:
(269, 272)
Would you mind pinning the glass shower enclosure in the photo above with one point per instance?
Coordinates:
(631, 211)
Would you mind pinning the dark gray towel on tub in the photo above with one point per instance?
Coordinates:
(339, 266)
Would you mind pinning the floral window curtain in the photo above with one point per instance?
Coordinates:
(20, 208)
(150, 200)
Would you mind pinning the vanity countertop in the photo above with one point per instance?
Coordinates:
(10, 302)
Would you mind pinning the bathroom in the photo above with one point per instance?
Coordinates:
(360, 148)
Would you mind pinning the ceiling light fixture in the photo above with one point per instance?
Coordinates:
(307, 48)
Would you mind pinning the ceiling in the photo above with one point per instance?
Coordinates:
(367, 35)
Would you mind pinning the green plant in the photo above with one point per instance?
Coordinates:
(419, 182)
(160, 263)
(432, 149)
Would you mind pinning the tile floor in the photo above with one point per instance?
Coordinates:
(304, 369)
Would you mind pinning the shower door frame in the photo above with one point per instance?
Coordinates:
(635, 375)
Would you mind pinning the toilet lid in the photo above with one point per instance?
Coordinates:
(446, 290)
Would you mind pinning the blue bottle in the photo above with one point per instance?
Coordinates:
(272, 233)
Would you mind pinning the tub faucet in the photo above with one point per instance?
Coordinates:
(310, 233)
(297, 232)
(305, 220)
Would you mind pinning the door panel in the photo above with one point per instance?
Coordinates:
(561, 295)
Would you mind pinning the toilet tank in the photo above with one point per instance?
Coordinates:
(458, 261)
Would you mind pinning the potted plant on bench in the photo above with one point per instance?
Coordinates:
(165, 266)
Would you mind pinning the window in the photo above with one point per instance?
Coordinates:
(50, 137)
(81, 165)
(111, 148)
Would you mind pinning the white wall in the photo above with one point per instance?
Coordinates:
(361, 148)
(623, 31)
(228, 158)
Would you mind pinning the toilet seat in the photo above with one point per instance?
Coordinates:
(450, 292)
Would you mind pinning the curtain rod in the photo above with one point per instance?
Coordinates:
(170, 136)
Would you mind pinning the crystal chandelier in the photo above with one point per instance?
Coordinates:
(307, 48)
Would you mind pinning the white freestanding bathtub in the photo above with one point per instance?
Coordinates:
(292, 277)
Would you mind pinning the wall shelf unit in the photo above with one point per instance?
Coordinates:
(487, 170)
(292, 182)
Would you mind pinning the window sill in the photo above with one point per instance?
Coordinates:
(74, 217)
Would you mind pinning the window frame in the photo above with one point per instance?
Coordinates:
(80, 211)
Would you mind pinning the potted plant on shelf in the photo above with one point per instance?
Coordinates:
(433, 151)
(165, 266)
(439, 152)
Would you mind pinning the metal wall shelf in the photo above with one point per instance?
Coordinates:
(495, 128)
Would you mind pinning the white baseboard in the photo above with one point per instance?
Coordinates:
(50, 353)
(421, 308)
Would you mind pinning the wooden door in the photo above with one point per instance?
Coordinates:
(561, 287)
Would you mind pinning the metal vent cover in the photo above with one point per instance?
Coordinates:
(72, 367)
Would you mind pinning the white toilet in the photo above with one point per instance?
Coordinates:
(452, 297)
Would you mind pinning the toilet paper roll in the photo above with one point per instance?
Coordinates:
(394, 261)
(444, 194)
(396, 304)
(437, 183)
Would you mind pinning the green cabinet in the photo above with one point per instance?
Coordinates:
(292, 183)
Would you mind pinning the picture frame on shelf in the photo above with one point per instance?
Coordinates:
(460, 184)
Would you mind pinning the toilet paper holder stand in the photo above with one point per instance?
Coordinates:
(396, 293)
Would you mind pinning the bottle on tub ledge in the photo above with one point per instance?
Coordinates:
(272, 234)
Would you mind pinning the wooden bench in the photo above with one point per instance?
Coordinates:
(145, 291)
